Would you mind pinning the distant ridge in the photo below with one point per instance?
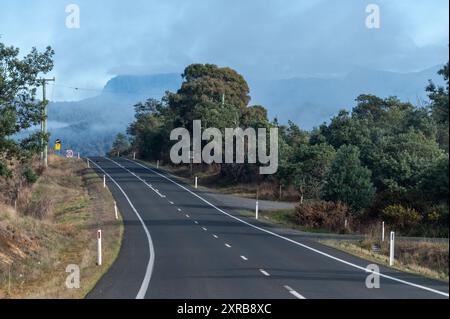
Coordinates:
(153, 85)
(311, 101)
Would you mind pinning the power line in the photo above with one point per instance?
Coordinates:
(76, 88)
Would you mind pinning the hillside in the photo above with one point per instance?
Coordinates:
(54, 225)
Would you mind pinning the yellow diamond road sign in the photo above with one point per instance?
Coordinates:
(58, 145)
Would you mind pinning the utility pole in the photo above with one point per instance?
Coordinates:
(44, 144)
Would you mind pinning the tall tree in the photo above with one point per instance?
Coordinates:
(19, 109)
(439, 97)
(208, 83)
(120, 145)
(348, 181)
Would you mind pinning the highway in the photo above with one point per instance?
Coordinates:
(180, 244)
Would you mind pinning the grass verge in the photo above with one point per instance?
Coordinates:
(423, 258)
(34, 252)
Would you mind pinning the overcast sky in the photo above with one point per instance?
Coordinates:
(261, 39)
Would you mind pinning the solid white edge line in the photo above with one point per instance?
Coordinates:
(293, 241)
(294, 293)
(148, 273)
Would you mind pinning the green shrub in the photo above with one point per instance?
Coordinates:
(4, 171)
(402, 218)
(29, 174)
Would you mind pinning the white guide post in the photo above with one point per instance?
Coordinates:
(391, 248)
(99, 247)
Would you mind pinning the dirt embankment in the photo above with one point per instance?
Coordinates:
(53, 226)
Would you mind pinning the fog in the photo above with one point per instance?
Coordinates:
(268, 40)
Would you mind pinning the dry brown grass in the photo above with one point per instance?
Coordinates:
(56, 226)
(425, 258)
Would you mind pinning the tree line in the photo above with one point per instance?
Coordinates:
(386, 159)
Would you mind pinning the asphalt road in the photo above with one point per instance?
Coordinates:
(179, 244)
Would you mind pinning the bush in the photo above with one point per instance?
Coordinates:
(323, 215)
(30, 175)
(401, 218)
(4, 171)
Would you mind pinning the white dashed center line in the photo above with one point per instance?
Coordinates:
(196, 222)
(294, 293)
(187, 216)
(215, 236)
(245, 258)
(171, 203)
(204, 229)
(227, 245)
(265, 273)
(179, 209)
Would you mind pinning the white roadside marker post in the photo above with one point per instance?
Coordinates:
(104, 181)
(99, 247)
(134, 155)
(391, 249)
(115, 210)
(346, 223)
(382, 231)
(196, 182)
(78, 156)
(87, 161)
(157, 164)
(257, 204)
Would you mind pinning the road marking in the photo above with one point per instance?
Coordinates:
(188, 216)
(227, 245)
(148, 273)
(291, 240)
(171, 203)
(245, 258)
(265, 273)
(196, 222)
(204, 228)
(142, 180)
(294, 293)
(179, 209)
(215, 236)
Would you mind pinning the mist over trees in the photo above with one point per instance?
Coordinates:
(384, 159)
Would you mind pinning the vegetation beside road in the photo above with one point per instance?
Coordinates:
(423, 258)
(55, 225)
